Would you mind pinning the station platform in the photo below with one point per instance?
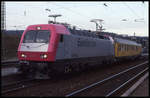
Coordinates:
(8, 71)
(142, 90)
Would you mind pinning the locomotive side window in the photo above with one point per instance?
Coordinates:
(61, 38)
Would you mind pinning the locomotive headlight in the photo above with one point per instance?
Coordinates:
(23, 55)
(44, 56)
(38, 28)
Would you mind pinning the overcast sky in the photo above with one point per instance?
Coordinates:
(22, 14)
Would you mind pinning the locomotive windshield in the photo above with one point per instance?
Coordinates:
(37, 36)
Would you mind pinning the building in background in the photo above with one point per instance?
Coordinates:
(3, 16)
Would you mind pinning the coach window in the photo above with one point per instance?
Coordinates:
(61, 38)
(128, 48)
(118, 47)
(122, 47)
(132, 48)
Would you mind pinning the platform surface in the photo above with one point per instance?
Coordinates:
(8, 71)
(142, 89)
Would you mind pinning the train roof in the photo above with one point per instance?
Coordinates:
(61, 29)
(87, 33)
(124, 41)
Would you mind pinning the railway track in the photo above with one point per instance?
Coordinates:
(6, 64)
(66, 87)
(9, 62)
(9, 88)
(113, 85)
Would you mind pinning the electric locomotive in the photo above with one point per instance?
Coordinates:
(46, 50)
(53, 48)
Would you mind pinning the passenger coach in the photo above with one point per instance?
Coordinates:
(127, 49)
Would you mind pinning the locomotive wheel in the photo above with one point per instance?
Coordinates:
(77, 69)
(52, 73)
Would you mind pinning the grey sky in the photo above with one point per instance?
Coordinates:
(22, 14)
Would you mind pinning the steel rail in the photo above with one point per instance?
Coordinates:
(8, 62)
(17, 88)
(101, 81)
(5, 64)
(16, 82)
(112, 92)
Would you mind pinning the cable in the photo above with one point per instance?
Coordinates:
(73, 11)
(135, 20)
(131, 9)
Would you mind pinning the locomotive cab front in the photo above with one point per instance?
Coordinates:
(38, 45)
(35, 45)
